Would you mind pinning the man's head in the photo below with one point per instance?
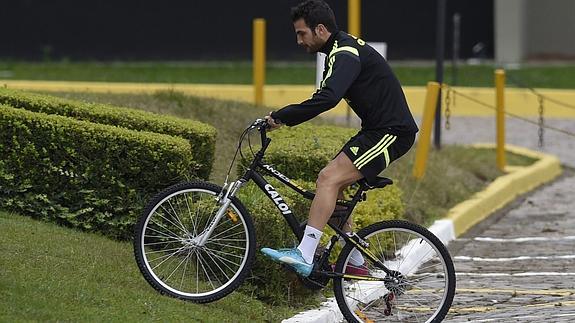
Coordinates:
(314, 22)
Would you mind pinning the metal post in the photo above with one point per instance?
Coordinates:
(500, 103)
(354, 28)
(440, 53)
(354, 17)
(424, 139)
(259, 60)
(456, 35)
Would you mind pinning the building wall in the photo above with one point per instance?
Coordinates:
(192, 30)
(550, 29)
(510, 31)
(534, 29)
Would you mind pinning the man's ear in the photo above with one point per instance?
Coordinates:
(321, 29)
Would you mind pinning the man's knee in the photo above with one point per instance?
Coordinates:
(333, 177)
(326, 177)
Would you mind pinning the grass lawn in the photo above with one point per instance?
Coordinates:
(51, 273)
(546, 76)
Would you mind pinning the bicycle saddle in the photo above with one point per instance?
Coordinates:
(378, 182)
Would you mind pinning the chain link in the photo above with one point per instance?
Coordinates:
(541, 121)
(448, 108)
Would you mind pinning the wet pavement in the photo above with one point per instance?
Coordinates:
(519, 265)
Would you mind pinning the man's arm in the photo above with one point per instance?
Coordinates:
(341, 73)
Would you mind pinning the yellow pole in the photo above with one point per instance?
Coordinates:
(424, 140)
(259, 60)
(500, 87)
(354, 17)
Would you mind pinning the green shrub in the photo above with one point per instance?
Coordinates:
(200, 136)
(92, 176)
(302, 151)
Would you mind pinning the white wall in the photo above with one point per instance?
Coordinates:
(509, 31)
(551, 28)
(534, 29)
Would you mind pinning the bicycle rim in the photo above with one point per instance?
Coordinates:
(420, 288)
(171, 256)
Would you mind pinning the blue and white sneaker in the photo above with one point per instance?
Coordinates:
(290, 257)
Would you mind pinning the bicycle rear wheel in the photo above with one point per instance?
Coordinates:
(169, 256)
(420, 287)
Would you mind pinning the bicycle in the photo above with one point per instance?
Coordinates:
(195, 241)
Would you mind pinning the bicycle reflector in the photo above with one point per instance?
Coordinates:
(232, 216)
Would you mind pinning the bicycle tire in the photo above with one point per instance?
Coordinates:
(401, 300)
(163, 237)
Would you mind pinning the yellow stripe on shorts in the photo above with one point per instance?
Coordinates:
(375, 151)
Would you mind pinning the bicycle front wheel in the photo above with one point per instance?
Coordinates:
(419, 287)
(168, 253)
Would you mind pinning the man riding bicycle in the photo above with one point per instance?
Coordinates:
(359, 74)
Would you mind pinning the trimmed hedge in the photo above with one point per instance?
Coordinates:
(201, 137)
(300, 153)
(92, 176)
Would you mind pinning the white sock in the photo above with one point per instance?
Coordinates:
(309, 243)
(356, 258)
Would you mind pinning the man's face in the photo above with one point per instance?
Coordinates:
(306, 38)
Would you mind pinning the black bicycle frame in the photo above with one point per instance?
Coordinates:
(297, 227)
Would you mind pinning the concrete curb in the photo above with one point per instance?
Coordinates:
(504, 189)
(465, 215)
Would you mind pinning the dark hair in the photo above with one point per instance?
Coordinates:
(315, 12)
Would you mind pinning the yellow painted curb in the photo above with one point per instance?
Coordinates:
(504, 189)
(517, 101)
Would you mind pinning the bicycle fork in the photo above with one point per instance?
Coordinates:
(224, 198)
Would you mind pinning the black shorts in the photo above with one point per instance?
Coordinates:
(371, 151)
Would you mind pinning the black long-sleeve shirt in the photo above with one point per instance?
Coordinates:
(359, 74)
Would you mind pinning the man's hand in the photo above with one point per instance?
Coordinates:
(271, 122)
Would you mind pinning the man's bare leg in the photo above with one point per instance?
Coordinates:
(338, 174)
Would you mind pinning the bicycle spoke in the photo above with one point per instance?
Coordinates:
(211, 270)
(168, 212)
(164, 250)
(161, 242)
(224, 260)
(164, 234)
(168, 257)
(175, 269)
(219, 234)
(204, 268)
(175, 215)
(225, 253)
(216, 263)
(185, 267)
(226, 245)
(161, 226)
(192, 221)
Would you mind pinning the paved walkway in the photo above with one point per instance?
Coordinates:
(519, 266)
